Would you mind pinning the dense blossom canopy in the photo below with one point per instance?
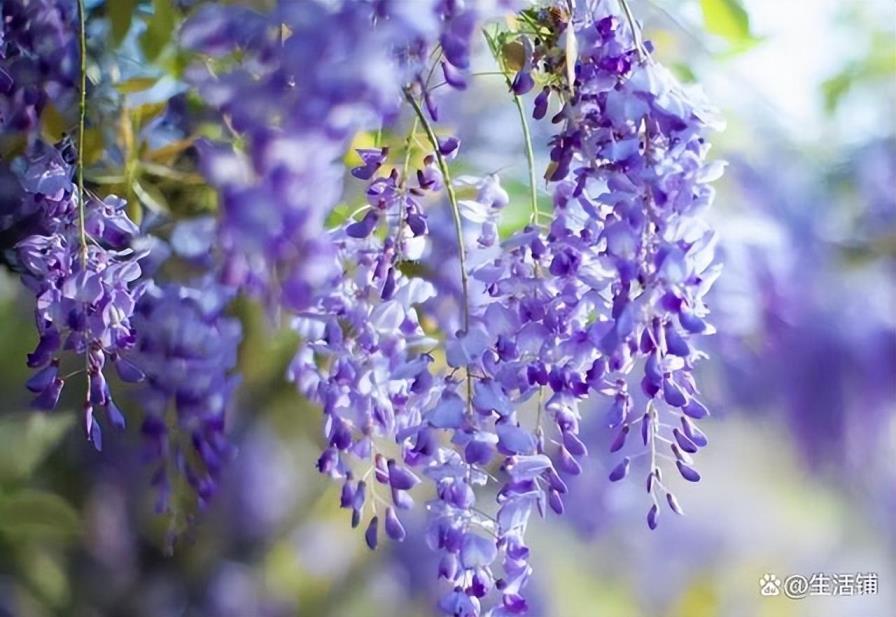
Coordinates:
(441, 347)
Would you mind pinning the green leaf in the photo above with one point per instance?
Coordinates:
(729, 20)
(684, 72)
(879, 65)
(136, 84)
(26, 439)
(37, 514)
(514, 55)
(835, 88)
(94, 146)
(141, 114)
(120, 13)
(53, 123)
(159, 28)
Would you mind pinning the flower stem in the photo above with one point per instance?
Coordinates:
(82, 114)
(408, 150)
(530, 158)
(409, 147)
(458, 229)
(652, 435)
(636, 32)
(452, 199)
(527, 135)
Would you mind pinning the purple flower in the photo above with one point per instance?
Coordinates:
(372, 159)
(477, 551)
(541, 103)
(688, 473)
(522, 83)
(372, 533)
(621, 470)
(394, 528)
(322, 88)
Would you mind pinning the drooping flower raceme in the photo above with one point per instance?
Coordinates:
(631, 181)
(311, 75)
(365, 356)
(613, 285)
(72, 248)
(85, 287)
(76, 259)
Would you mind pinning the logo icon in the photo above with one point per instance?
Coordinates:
(770, 585)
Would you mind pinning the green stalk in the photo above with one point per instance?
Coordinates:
(408, 149)
(458, 228)
(82, 114)
(530, 158)
(452, 199)
(636, 32)
(527, 135)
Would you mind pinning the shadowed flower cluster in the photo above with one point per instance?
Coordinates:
(187, 348)
(38, 60)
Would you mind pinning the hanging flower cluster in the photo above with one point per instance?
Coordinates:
(84, 278)
(309, 77)
(71, 247)
(365, 355)
(75, 254)
(631, 181)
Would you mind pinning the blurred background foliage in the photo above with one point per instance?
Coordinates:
(801, 473)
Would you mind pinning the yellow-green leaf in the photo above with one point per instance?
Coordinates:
(729, 20)
(361, 140)
(514, 55)
(54, 125)
(136, 84)
(169, 152)
(120, 14)
(93, 145)
(159, 29)
(42, 566)
(141, 114)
